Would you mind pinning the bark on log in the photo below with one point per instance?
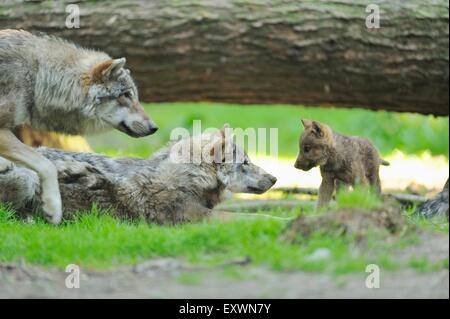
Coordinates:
(317, 53)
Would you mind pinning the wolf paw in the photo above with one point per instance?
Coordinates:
(5, 165)
(52, 208)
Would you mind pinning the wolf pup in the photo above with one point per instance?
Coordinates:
(343, 160)
(53, 85)
(162, 189)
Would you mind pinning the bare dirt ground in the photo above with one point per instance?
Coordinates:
(160, 278)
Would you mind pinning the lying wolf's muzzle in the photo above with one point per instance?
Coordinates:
(138, 129)
(263, 185)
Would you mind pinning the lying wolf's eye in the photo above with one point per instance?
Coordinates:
(245, 162)
(127, 94)
(306, 149)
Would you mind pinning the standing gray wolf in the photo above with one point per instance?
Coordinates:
(343, 160)
(53, 85)
(158, 189)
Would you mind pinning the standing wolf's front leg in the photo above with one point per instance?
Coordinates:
(5, 165)
(17, 152)
(326, 190)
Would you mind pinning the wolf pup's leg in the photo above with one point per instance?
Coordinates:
(326, 190)
(341, 186)
(17, 152)
(374, 179)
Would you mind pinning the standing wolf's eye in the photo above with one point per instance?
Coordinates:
(306, 149)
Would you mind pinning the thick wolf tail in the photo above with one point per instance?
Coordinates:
(385, 163)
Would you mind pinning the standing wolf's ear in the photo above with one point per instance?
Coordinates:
(103, 71)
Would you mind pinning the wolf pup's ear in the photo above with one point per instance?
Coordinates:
(317, 129)
(103, 71)
(306, 123)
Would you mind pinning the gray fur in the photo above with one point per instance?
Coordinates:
(157, 189)
(436, 207)
(53, 85)
(48, 83)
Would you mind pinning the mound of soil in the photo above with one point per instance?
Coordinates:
(343, 222)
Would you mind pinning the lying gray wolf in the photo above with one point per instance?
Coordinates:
(158, 189)
(53, 85)
(343, 160)
(437, 206)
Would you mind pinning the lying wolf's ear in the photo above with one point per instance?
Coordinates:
(103, 71)
(223, 145)
(217, 151)
(306, 123)
(225, 131)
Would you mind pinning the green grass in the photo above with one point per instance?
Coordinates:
(422, 264)
(96, 240)
(360, 197)
(409, 133)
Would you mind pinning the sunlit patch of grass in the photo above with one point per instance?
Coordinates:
(359, 197)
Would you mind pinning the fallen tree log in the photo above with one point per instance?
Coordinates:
(317, 53)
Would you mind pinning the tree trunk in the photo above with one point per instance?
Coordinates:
(317, 53)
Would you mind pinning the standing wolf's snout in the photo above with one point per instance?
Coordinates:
(136, 122)
(152, 129)
(144, 125)
(138, 129)
(148, 128)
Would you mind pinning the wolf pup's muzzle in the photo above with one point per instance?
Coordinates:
(303, 165)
